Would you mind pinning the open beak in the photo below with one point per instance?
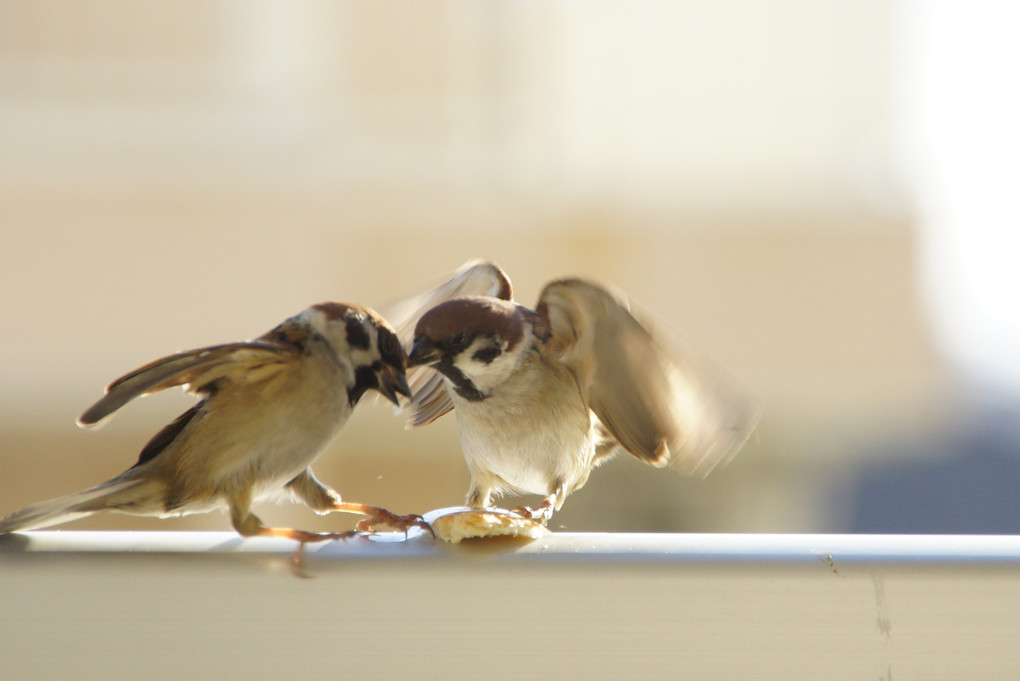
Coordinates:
(423, 353)
(391, 382)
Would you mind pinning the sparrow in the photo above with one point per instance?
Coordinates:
(542, 396)
(268, 408)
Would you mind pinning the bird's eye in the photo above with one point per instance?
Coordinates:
(460, 340)
(386, 345)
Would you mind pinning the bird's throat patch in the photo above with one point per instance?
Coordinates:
(461, 383)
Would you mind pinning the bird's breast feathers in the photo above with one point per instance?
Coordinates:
(262, 435)
(533, 429)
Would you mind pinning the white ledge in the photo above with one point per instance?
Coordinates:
(210, 605)
(811, 550)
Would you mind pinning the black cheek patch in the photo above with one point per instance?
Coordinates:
(357, 337)
(486, 355)
(461, 383)
(365, 379)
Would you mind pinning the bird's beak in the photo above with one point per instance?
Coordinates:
(391, 382)
(423, 353)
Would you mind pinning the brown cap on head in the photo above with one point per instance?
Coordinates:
(333, 310)
(471, 316)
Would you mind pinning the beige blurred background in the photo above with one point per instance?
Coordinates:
(180, 174)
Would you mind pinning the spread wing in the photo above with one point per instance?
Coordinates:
(200, 370)
(429, 398)
(663, 409)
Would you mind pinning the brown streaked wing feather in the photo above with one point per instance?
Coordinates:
(195, 368)
(430, 399)
(659, 411)
(161, 440)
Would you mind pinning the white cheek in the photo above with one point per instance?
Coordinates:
(486, 377)
(359, 358)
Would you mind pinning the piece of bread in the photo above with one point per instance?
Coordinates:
(456, 524)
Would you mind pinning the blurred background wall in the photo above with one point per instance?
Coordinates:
(180, 174)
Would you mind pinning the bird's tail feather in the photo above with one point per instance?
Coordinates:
(131, 495)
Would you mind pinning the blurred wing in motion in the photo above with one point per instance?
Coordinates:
(429, 398)
(663, 410)
(473, 278)
(199, 370)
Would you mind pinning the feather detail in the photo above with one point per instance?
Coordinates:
(197, 369)
(662, 412)
(110, 495)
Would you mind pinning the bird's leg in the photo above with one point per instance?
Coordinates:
(480, 493)
(313, 493)
(302, 537)
(545, 509)
(543, 512)
(322, 499)
(380, 516)
(248, 524)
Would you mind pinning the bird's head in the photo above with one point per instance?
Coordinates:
(476, 342)
(365, 344)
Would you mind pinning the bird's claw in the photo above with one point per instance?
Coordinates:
(541, 513)
(397, 522)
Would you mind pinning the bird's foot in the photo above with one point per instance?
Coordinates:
(302, 537)
(400, 523)
(541, 513)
